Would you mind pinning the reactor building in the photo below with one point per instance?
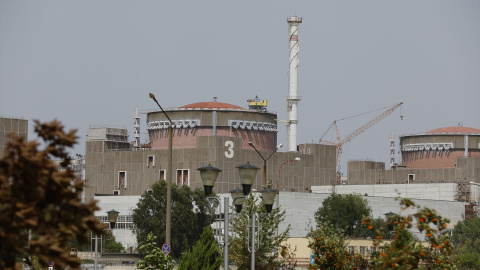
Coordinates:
(204, 133)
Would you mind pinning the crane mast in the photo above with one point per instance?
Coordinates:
(339, 143)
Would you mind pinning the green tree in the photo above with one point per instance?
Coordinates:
(406, 252)
(40, 205)
(345, 212)
(154, 257)
(466, 239)
(205, 254)
(111, 244)
(266, 257)
(187, 221)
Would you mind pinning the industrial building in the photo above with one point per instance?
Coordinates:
(444, 155)
(204, 133)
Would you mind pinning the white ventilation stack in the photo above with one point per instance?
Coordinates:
(136, 129)
(293, 99)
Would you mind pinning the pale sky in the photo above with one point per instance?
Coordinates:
(93, 62)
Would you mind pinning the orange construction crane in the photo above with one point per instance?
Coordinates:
(339, 143)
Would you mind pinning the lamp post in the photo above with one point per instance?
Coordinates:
(278, 178)
(112, 216)
(209, 175)
(170, 176)
(265, 160)
(390, 228)
(247, 174)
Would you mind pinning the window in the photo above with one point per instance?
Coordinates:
(362, 250)
(351, 249)
(411, 178)
(162, 174)
(151, 161)
(182, 178)
(122, 179)
(116, 192)
(123, 222)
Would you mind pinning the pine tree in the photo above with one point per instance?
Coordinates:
(204, 254)
(266, 256)
(155, 258)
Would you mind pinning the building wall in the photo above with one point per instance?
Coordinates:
(124, 205)
(301, 207)
(361, 173)
(142, 167)
(11, 125)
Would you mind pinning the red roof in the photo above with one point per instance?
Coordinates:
(455, 129)
(212, 105)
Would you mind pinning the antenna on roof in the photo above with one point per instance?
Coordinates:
(214, 99)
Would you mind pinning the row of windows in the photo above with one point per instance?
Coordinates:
(362, 250)
(123, 222)
(183, 178)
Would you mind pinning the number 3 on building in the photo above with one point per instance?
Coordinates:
(229, 152)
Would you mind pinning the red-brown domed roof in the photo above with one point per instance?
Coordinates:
(212, 105)
(456, 129)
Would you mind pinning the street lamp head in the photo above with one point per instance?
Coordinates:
(251, 144)
(112, 217)
(279, 146)
(247, 175)
(268, 198)
(152, 96)
(209, 175)
(298, 159)
(238, 199)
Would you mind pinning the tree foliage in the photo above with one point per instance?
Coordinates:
(345, 212)
(41, 202)
(187, 221)
(266, 257)
(466, 239)
(405, 252)
(111, 244)
(154, 257)
(329, 248)
(205, 254)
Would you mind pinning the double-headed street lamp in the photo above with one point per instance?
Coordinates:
(247, 173)
(265, 160)
(170, 176)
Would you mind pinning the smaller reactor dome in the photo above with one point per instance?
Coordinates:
(439, 148)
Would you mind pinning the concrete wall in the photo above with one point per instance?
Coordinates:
(362, 173)
(317, 166)
(301, 207)
(445, 191)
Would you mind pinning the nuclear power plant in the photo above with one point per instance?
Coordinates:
(440, 167)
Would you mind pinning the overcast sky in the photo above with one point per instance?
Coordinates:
(93, 62)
